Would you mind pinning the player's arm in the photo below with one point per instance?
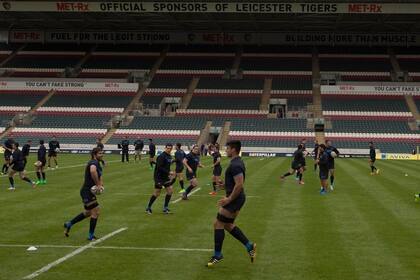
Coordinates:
(185, 162)
(94, 175)
(237, 189)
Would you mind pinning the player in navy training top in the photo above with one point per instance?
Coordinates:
(17, 165)
(231, 205)
(164, 178)
(152, 153)
(217, 168)
(179, 165)
(372, 159)
(323, 162)
(331, 161)
(191, 163)
(93, 177)
(40, 164)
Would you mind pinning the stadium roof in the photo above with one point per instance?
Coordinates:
(216, 22)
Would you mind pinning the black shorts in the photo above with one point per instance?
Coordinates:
(152, 155)
(44, 162)
(18, 168)
(323, 175)
(7, 155)
(217, 171)
(161, 183)
(52, 153)
(296, 165)
(190, 176)
(373, 160)
(331, 165)
(179, 168)
(88, 199)
(236, 204)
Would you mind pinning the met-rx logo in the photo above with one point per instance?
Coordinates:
(72, 7)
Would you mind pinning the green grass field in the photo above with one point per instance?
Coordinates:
(369, 228)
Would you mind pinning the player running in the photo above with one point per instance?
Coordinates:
(54, 147)
(191, 163)
(25, 152)
(372, 159)
(138, 149)
(298, 164)
(93, 177)
(179, 165)
(40, 164)
(217, 169)
(17, 165)
(333, 153)
(152, 153)
(164, 178)
(323, 162)
(230, 206)
(8, 147)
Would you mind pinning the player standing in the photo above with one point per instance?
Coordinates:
(125, 144)
(372, 159)
(217, 168)
(25, 152)
(329, 149)
(17, 166)
(298, 164)
(230, 206)
(152, 153)
(191, 163)
(179, 165)
(93, 177)
(323, 162)
(138, 149)
(54, 147)
(315, 154)
(40, 165)
(8, 147)
(164, 178)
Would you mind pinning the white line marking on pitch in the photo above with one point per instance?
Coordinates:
(108, 248)
(197, 195)
(191, 193)
(72, 254)
(65, 167)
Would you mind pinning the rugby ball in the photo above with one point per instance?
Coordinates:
(97, 190)
(57, 150)
(333, 154)
(38, 163)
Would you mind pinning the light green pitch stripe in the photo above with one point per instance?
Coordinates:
(388, 229)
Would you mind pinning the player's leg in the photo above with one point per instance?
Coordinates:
(300, 178)
(324, 185)
(78, 218)
(11, 179)
(55, 161)
(169, 191)
(49, 161)
(332, 173)
(43, 176)
(193, 184)
(93, 220)
(155, 195)
(215, 180)
(290, 172)
(180, 177)
(23, 176)
(38, 175)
